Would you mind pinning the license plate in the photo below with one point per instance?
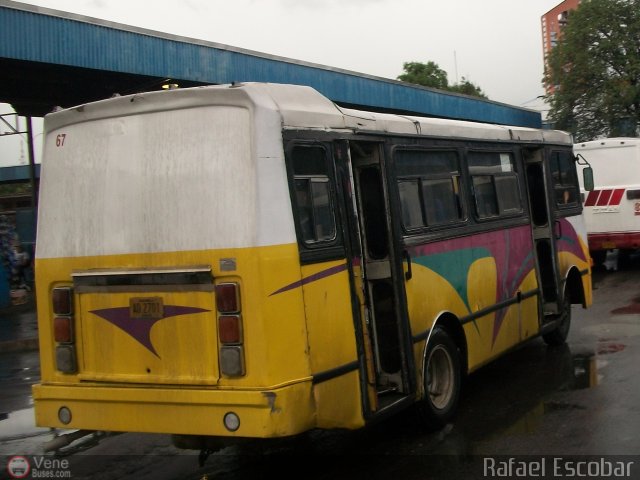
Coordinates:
(146, 307)
(608, 245)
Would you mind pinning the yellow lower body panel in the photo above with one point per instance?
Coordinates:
(277, 412)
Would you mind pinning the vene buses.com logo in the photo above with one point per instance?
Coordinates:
(18, 467)
(36, 466)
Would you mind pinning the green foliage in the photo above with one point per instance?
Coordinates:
(425, 74)
(467, 88)
(595, 69)
(431, 75)
(15, 189)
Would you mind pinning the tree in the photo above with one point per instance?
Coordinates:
(595, 71)
(431, 75)
(425, 74)
(467, 88)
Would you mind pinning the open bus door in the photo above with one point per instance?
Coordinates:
(378, 276)
(545, 231)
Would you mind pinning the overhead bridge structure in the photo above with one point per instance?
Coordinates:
(50, 58)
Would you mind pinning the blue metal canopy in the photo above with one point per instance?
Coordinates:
(49, 58)
(17, 174)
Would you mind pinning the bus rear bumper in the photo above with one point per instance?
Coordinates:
(277, 412)
(609, 241)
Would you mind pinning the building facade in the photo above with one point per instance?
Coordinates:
(552, 24)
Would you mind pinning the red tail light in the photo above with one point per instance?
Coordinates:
(229, 329)
(63, 329)
(231, 355)
(228, 297)
(62, 305)
(61, 298)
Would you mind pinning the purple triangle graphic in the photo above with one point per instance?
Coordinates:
(140, 328)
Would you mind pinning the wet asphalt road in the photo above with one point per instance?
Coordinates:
(579, 399)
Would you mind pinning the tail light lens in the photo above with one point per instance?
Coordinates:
(63, 329)
(62, 301)
(232, 361)
(230, 329)
(66, 359)
(228, 297)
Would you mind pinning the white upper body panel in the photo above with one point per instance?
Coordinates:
(198, 168)
(616, 173)
(615, 161)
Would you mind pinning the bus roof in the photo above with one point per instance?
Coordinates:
(608, 143)
(299, 107)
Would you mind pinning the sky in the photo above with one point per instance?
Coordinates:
(496, 44)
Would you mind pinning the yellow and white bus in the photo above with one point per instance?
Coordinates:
(254, 261)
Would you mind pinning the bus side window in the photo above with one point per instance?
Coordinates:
(565, 178)
(429, 187)
(305, 209)
(485, 193)
(313, 195)
(495, 184)
(411, 204)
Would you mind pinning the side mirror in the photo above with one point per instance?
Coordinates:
(587, 178)
(587, 173)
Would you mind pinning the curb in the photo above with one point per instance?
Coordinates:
(20, 345)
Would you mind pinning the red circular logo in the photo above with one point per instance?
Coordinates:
(18, 467)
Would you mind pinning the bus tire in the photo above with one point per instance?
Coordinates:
(442, 380)
(559, 335)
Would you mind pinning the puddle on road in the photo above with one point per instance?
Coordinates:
(20, 373)
(585, 372)
(587, 366)
(565, 371)
(19, 424)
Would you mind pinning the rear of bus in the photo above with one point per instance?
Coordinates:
(164, 229)
(612, 209)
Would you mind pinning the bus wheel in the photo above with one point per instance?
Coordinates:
(561, 332)
(441, 380)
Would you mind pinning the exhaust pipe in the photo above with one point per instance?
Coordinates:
(61, 441)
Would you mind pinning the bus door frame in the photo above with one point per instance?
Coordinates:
(369, 273)
(544, 229)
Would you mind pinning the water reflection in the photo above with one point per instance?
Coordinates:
(585, 371)
(19, 424)
(502, 402)
(19, 322)
(514, 394)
